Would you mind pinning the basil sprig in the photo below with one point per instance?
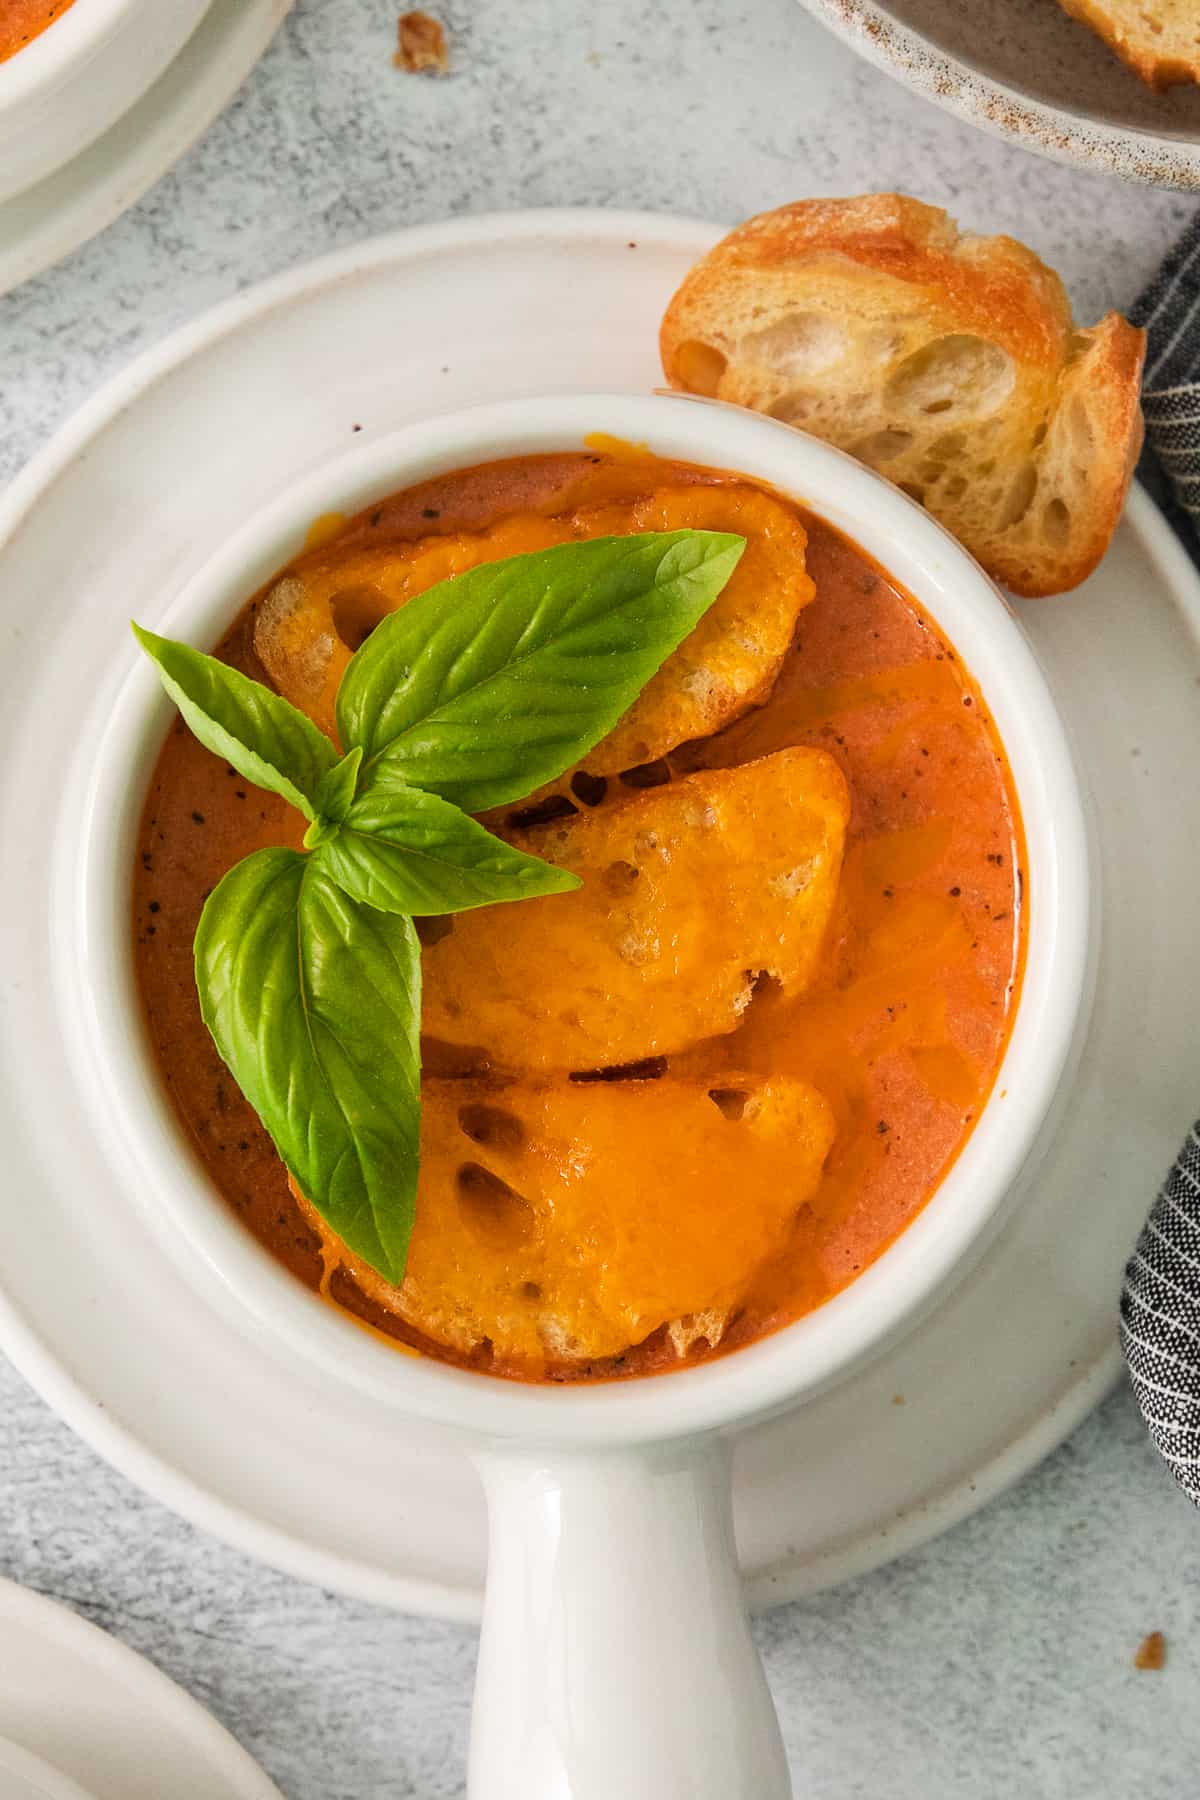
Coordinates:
(474, 694)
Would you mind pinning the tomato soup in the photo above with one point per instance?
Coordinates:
(701, 1096)
(23, 20)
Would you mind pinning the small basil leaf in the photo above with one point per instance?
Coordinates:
(487, 685)
(406, 851)
(314, 1002)
(259, 733)
(335, 790)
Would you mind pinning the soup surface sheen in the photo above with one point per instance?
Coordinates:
(23, 20)
(566, 1213)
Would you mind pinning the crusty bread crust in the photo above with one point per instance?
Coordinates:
(948, 362)
(1158, 39)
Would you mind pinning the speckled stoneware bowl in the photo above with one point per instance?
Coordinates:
(1023, 69)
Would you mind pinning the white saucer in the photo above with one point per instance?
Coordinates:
(139, 1349)
(97, 1722)
(26, 1777)
(47, 222)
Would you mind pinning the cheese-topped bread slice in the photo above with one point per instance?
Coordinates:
(549, 1223)
(311, 621)
(690, 892)
(950, 363)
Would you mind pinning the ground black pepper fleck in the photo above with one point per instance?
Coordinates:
(198, 817)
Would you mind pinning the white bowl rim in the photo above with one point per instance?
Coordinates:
(1002, 111)
(133, 1114)
(66, 42)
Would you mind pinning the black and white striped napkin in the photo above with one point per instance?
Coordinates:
(1160, 1301)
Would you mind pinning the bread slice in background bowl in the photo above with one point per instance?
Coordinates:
(1158, 39)
(948, 362)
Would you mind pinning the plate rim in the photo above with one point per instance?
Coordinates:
(53, 1621)
(290, 1550)
(904, 53)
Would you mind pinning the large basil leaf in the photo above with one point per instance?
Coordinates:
(259, 733)
(406, 851)
(314, 1002)
(486, 686)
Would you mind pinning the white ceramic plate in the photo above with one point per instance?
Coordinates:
(1023, 70)
(47, 222)
(138, 1345)
(100, 1716)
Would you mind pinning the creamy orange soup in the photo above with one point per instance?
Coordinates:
(639, 1153)
(23, 20)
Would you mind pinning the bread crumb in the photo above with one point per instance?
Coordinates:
(899, 1400)
(1152, 1652)
(422, 45)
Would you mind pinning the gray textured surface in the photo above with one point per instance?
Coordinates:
(997, 1661)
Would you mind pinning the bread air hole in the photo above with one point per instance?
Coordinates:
(491, 1210)
(650, 1068)
(792, 409)
(952, 375)
(591, 789)
(356, 612)
(1019, 497)
(882, 446)
(542, 812)
(799, 345)
(1056, 523)
(491, 1125)
(1083, 438)
(699, 367)
(730, 1102)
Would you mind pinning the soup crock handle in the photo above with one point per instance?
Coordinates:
(616, 1661)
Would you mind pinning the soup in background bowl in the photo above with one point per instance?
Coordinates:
(23, 20)
(70, 69)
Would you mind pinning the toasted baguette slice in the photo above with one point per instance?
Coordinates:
(689, 890)
(949, 363)
(548, 1223)
(1159, 39)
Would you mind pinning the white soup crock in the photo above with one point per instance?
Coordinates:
(616, 1662)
